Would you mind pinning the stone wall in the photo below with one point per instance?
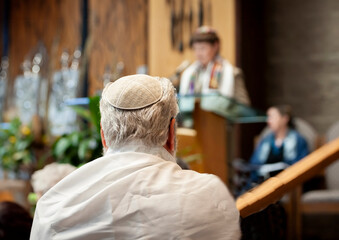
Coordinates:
(302, 58)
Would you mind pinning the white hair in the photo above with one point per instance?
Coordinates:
(149, 124)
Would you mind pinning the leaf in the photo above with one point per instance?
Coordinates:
(95, 111)
(23, 144)
(27, 159)
(3, 135)
(19, 155)
(75, 138)
(79, 147)
(32, 198)
(61, 146)
(2, 152)
(65, 159)
(14, 125)
(82, 112)
(83, 147)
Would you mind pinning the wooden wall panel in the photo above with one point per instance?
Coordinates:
(163, 59)
(56, 23)
(117, 33)
(224, 20)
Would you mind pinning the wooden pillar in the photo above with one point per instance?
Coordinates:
(118, 33)
(294, 214)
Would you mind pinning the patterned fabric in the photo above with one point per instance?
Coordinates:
(218, 76)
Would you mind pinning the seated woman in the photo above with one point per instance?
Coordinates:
(282, 147)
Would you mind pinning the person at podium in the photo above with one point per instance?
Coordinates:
(210, 74)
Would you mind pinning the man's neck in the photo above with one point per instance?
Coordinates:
(140, 146)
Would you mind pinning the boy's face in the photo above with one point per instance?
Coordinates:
(205, 51)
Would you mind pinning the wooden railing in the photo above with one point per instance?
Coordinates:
(274, 188)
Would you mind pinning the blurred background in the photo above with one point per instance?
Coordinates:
(57, 55)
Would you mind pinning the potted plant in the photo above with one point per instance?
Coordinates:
(80, 147)
(16, 154)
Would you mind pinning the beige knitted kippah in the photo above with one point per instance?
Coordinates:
(133, 92)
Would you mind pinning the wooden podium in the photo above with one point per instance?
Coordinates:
(214, 118)
(212, 137)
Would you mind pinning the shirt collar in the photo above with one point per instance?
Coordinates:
(139, 146)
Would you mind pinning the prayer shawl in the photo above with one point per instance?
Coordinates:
(294, 148)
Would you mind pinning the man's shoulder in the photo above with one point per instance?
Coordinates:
(208, 202)
(201, 178)
(203, 186)
(155, 188)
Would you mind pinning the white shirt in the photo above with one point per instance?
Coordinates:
(136, 193)
(202, 86)
(226, 87)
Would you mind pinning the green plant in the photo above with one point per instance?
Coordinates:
(82, 146)
(16, 146)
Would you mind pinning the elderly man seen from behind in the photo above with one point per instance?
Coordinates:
(136, 190)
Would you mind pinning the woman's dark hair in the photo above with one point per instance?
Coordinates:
(15, 221)
(286, 110)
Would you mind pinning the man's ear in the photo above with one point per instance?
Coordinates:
(170, 143)
(102, 137)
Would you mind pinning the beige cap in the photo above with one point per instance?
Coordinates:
(133, 92)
